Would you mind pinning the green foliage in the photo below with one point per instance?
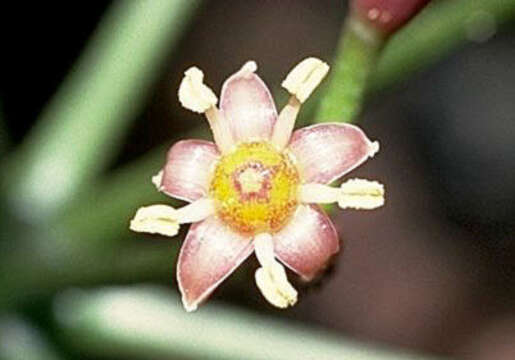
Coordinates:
(80, 130)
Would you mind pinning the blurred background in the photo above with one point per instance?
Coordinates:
(431, 272)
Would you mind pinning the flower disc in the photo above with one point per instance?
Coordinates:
(255, 188)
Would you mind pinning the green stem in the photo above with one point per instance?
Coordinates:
(66, 264)
(20, 340)
(91, 241)
(438, 30)
(149, 322)
(443, 26)
(355, 59)
(82, 127)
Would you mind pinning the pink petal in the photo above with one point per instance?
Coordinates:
(210, 253)
(307, 242)
(248, 106)
(187, 170)
(327, 151)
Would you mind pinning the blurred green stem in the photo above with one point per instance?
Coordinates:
(81, 129)
(20, 340)
(148, 322)
(80, 265)
(84, 246)
(442, 27)
(355, 59)
(91, 241)
(360, 67)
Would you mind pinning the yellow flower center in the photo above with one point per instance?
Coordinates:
(255, 188)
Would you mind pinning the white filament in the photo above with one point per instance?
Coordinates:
(165, 220)
(354, 193)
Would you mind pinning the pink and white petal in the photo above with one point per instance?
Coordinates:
(210, 253)
(188, 167)
(248, 106)
(325, 152)
(307, 242)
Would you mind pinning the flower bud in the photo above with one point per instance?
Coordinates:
(386, 16)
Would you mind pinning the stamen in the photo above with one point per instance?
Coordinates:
(271, 277)
(354, 193)
(220, 128)
(194, 95)
(156, 219)
(305, 77)
(248, 68)
(264, 248)
(318, 193)
(165, 220)
(279, 297)
(195, 211)
(285, 123)
(300, 83)
(361, 194)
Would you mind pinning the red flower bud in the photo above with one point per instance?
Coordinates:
(387, 16)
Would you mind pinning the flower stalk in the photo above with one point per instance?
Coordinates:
(356, 57)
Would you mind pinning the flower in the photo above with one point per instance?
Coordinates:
(256, 187)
